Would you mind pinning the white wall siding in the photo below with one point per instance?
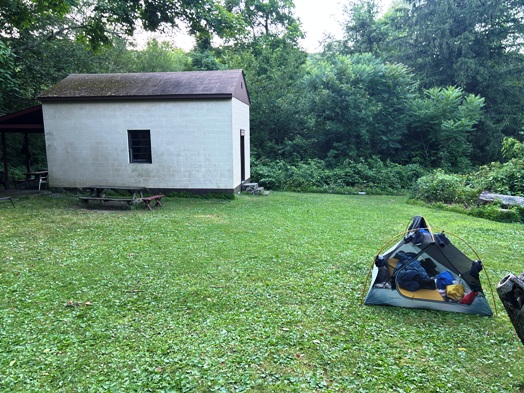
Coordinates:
(191, 146)
(241, 122)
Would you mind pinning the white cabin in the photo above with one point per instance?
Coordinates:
(178, 131)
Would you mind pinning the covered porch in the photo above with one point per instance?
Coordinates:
(28, 122)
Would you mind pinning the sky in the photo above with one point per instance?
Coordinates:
(319, 17)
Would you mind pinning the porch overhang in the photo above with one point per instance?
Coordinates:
(29, 120)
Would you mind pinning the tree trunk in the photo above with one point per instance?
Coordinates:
(507, 200)
(511, 291)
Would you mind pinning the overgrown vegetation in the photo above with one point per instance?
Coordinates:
(371, 176)
(441, 187)
(461, 192)
(421, 83)
(258, 294)
(206, 195)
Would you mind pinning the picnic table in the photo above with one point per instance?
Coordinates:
(36, 175)
(98, 193)
(31, 178)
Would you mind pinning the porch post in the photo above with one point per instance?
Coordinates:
(4, 157)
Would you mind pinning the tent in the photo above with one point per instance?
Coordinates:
(425, 270)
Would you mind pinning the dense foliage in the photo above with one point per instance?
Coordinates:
(475, 45)
(435, 84)
(440, 128)
(358, 106)
(440, 187)
(369, 176)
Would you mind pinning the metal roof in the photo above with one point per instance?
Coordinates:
(150, 85)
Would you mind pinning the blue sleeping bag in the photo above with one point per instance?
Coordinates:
(413, 276)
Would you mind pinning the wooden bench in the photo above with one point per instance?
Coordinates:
(147, 201)
(7, 199)
(129, 201)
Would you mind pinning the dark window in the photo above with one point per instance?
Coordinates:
(139, 146)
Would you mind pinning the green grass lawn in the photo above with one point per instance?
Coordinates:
(258, 294)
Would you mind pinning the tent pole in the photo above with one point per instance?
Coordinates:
(483, 269)
(368, 276)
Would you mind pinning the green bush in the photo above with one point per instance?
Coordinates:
(459, 193)
(375, 176)
(372, 176)
(279, 175)
(445, 188)
(506, 178)
(208, 195)
(496, 213)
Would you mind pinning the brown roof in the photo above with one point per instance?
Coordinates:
(151, 85)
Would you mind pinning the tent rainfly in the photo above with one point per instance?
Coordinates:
(425, 270)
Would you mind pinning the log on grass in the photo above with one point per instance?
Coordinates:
(507, 200)
(511, 292)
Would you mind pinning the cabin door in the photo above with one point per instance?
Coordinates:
(242, 155)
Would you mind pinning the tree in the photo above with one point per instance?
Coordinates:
(268, 18)
(358, 106)
(364, 31)
(37, 35)
(459, 42)
(439, 129)
(97, 22)
(7, 69)
(269, 54)
(274, 70)
(475, 45)
(159, 57)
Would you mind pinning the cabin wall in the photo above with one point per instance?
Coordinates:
(191, 143)
(241, 122)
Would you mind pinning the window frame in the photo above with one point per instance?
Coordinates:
(139, 146)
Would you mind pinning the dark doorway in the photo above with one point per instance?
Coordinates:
(242, 155)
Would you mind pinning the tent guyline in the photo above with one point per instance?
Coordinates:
(425, 270)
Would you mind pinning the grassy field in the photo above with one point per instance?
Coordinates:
(259, 294)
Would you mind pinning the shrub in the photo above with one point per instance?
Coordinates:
(506, 178)
(495, 213)
(279, 175)
(204, 195)
(372, 176)
(459, 193)
(445, 188)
